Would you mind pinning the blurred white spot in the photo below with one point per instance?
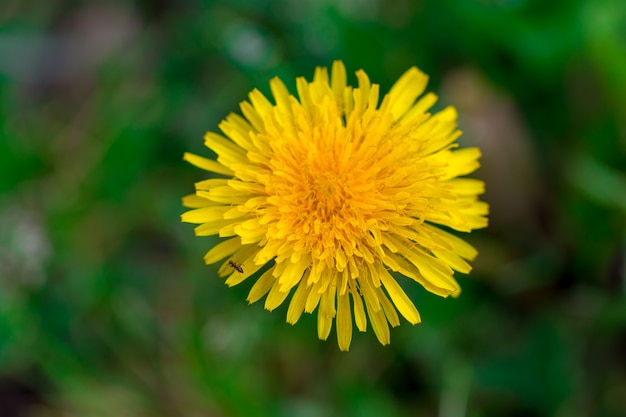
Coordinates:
(24, 248)
(246, 45)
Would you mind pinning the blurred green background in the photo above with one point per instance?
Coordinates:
(106, 307)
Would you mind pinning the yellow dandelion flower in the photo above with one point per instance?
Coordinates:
(332, 191)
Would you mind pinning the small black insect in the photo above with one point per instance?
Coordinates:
(236, 267)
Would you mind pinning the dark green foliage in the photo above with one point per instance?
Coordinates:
(107, 309)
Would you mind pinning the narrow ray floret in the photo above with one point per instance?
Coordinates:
(330, 191)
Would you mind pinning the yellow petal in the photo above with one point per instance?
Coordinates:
(222, 250)
(275, 297)
(206, 164)
(298, 301)
(405, 91)
(211, 228)
(468, 186)
(253, 116)
(204, 214)
(261, 104)
(399, 264)
(291, 274)
(463, 161)
(194, 201)
(312, 300)
(210, 184)
(362, 93)
(379, 324)
(453, 260)
(326, 313)
(238, 130)
(229, 153)
(388, 308)
(261, 286)
(461, 247)
(400, 299)
(418, 111)
(431, 268)
(344, 322)
(304, 92)
(338, 81)
(281, 94)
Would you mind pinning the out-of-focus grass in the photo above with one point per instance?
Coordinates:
(107, 309)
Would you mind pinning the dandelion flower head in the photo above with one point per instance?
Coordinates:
(331, 191)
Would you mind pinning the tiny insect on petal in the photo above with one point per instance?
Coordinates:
(236, 267)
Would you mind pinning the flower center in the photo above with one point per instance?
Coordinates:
(328, 195)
